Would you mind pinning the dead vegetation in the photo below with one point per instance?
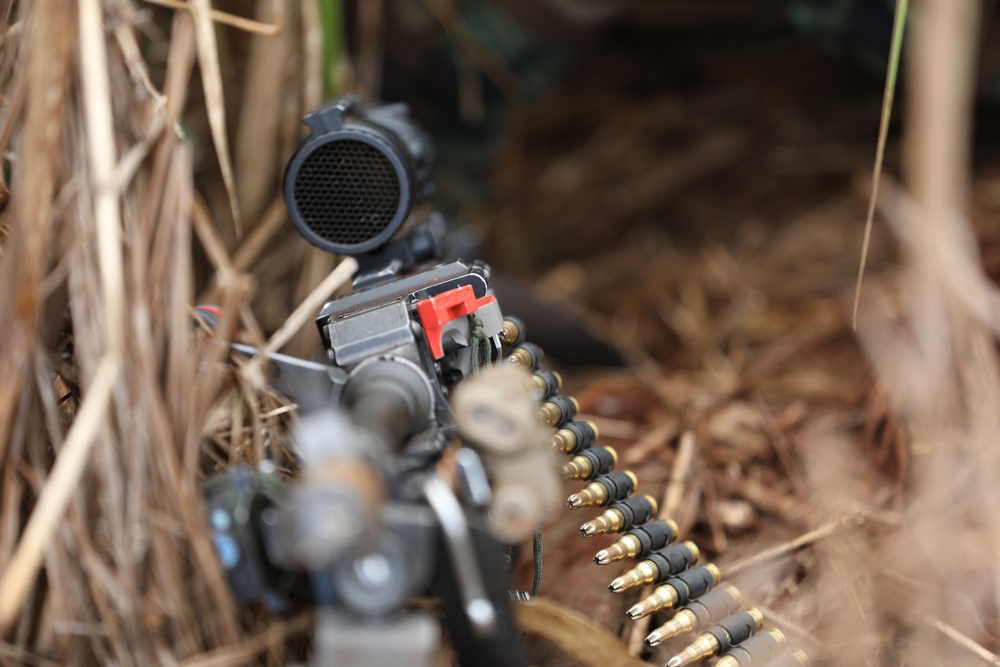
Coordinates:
(815, 465)
(698, 199)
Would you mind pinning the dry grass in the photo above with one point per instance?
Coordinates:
(847, 485)
(842, 483)
(114, 407)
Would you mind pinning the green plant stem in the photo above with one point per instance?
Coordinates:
(898, 26)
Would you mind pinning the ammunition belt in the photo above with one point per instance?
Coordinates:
(701, 602)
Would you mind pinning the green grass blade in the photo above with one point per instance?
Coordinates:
(332, 17)
(898, 26)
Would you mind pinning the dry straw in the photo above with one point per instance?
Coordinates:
(114, 407)
(937, 358)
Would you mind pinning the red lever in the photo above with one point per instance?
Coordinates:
(437, 311)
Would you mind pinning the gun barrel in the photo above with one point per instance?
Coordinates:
(389, 398)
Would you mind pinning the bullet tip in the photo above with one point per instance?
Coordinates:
(635, 613)
(602, 558)
(616, 586)
(653, 639)
(675, 662)
(586, 531)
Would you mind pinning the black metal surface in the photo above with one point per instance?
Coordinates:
(347, 192)
(351, 183)
(692, 583)
(503, 649)
(653, 536)
(739, 627)
(672, 560)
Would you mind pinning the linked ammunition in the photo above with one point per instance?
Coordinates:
(591, 463)
(708, 609)
(719, 638)
(545, 384)
(755, 651)
(794, 658)
(527, 356)
(604, 490)
(559, 410)
(658, 567)
(511, 332)
(677, 591)
(575, 437)
(639, 542)
(621, 516)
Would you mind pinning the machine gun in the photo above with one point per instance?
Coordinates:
(426, 380)
(370, 523)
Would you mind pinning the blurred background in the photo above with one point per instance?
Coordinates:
(672, 193)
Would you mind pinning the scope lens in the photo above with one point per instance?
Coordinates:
(347, 192)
